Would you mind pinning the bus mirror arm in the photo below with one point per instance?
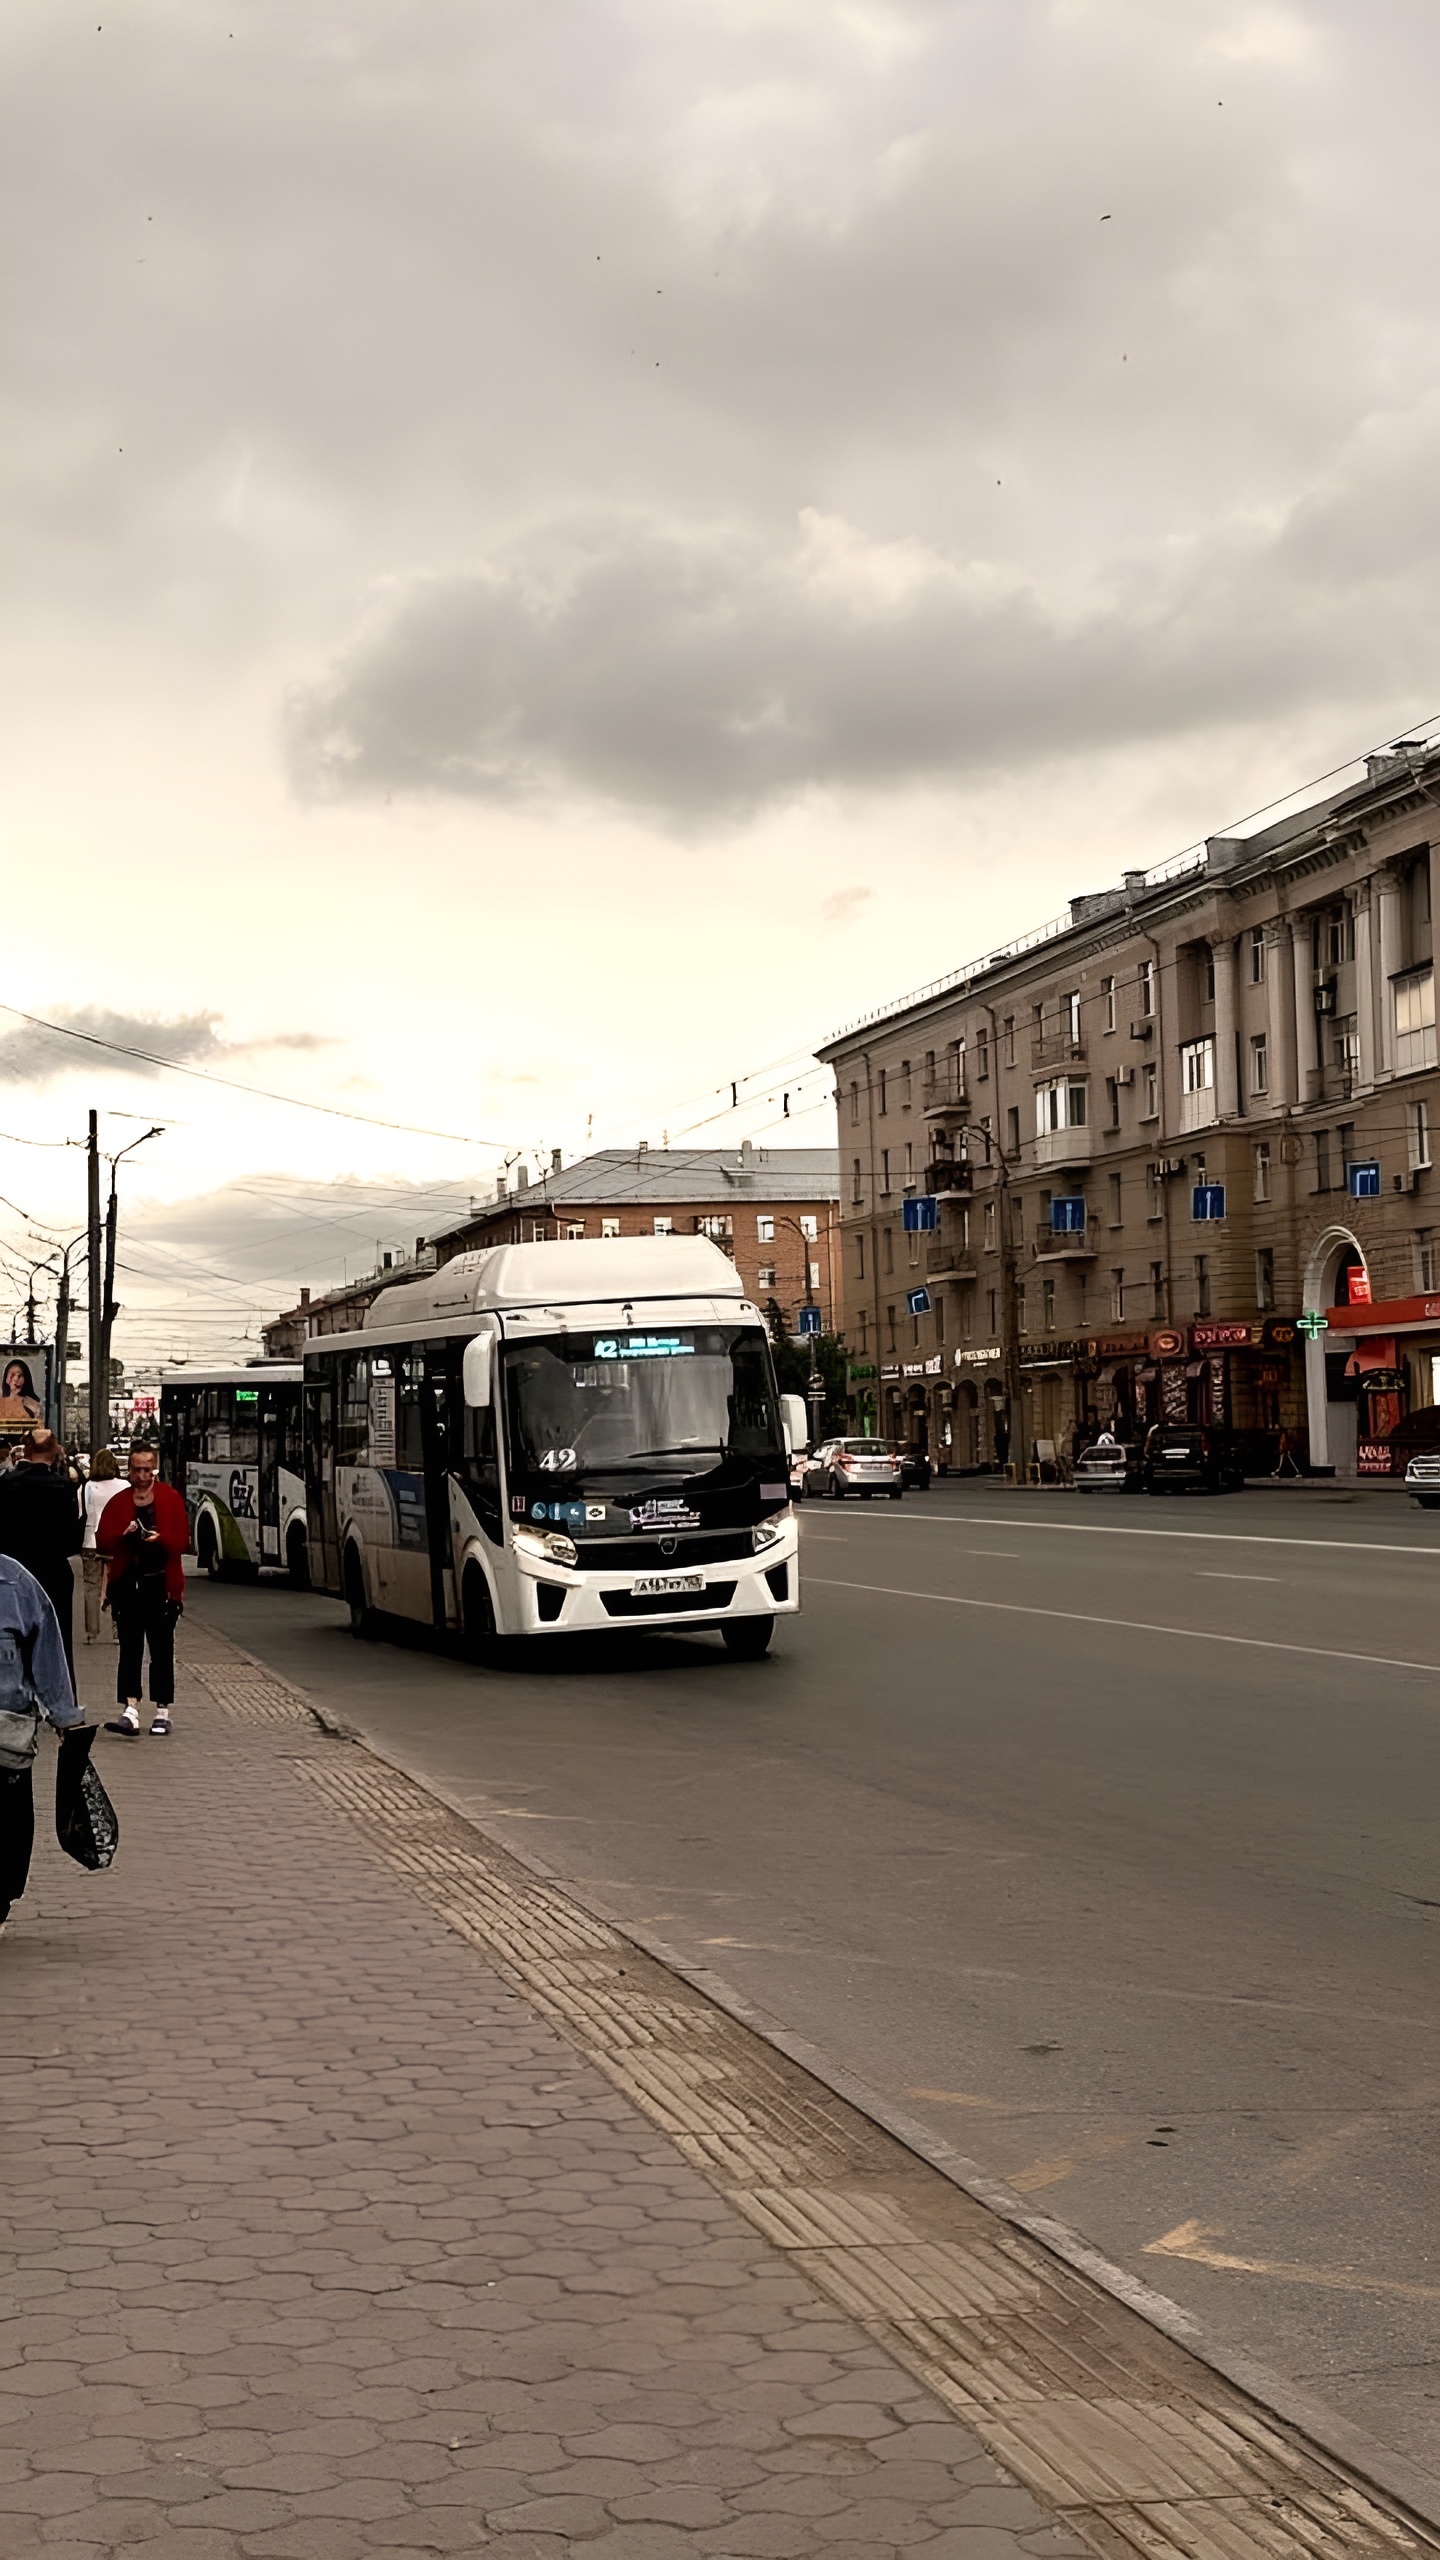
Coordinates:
(476, 1368)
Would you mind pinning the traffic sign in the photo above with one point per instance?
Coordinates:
(809, 1320)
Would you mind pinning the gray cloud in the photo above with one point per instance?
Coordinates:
(128, 1043)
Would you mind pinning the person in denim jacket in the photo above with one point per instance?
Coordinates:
(34, 1679)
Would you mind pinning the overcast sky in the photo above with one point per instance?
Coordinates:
(556, 552)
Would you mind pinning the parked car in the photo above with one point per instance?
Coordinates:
(1422, 1479)
(1188, 1457)
(855, 1466)
(1107, 1466)
(914, 1470)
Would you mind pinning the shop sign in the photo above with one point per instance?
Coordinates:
(1220, 1337)
(1167, 1344)
(1174, 1406)
(1038, 1354)
(1278, 1333)
(891, 1369)
(1357, 1284)
(1372, 1458)
(1381, 1382)
(985, 1359)
(913, 1369)
(857, 1371)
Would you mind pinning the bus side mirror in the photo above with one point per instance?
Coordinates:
(797, 1424)
(475, 1372)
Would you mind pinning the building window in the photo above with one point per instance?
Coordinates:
(884, 1091)
(884, 1173)
(1202, 1284)
(1009, 1031)
(1150, 1090)
(1427, 1261)
(719, 1228)
(1210, 976)
(1021, 1321)
(814, 1270)
(1347, 1046)
(1322, 1159)
(889, 1240)
(809, 1228)
(860, 1257)
(1047, 1294)
(909, 1165)
(1415, 1021)
(1417, 1136)
(1157, 1288)
(1072, 1017)
(574, 1230)
(1060, 1104)
(912, 1239)
(1197, 1083)
(609, 1226)
(990, 1301)
(1339, 937)
(854, 1106)
(765, 1276)
(1117, 1296)
(1257, 955)
(857, 1194)
(864, 1331)
(905, 1082)
(982, 1055)
(1262, 1173)
(890, 1325)
(939, 1305)
(664, 1226)
(1112, 1100)
(1017, 1217)
(1154, 1192)
(1107, 999)
(764, 1230)
(1012, 1129)
(1117, 1211)
(1265, 1278)
(1259, 1064)
(989, 1226)
(1147, 988)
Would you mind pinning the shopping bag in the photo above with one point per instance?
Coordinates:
(86, 1824)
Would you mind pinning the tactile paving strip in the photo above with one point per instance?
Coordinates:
(1145, 2451)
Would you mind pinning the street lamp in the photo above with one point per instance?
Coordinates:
(815, 1385)
(103, 1309)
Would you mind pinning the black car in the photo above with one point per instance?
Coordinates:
(1189, 1457)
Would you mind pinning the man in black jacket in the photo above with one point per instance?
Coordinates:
(40, 1524)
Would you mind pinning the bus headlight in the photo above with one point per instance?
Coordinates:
(551, 1544)
(768, 1534)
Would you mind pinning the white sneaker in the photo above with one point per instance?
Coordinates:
(128, 1721)
(160, 1721)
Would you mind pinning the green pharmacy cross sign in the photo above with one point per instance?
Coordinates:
(1313, 1325)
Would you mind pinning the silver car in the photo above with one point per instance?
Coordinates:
(856, 1466)
(1422, 1479)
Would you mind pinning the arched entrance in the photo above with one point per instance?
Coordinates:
(1332, 1424)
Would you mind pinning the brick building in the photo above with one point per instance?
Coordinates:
(774, 1210)
(340, 1310)
(1142, 1143)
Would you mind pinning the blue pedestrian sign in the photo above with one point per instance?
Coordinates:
(918, 1301)
(809, 1319)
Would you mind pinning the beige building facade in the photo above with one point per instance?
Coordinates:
(1123, 1170)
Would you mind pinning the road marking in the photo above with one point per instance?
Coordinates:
(1188, 2240)
(1050, 2173)
(1113, 1529)
(1135, 1626)
(1212, 1576)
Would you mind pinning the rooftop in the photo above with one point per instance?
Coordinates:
(620, 1177)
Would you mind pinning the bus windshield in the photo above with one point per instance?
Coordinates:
(672, 1402)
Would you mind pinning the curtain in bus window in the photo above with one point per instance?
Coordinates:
(409, 1438)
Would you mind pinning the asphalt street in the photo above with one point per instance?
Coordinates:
(1101, 1834)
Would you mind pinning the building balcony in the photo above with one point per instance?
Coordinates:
(945, 1097)
(1055, 1147)
(1199, 1110)
(949, 1262)
(1057, 1049)
(949, 1174)
(1066, 1245)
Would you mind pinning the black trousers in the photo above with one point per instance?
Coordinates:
(17, 1836)
(144, 1615)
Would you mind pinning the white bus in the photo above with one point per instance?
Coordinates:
(230, 1443)
(549, 1439)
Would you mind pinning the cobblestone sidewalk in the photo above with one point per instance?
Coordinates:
(322, 2243)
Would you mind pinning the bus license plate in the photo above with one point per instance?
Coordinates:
(652, 1586)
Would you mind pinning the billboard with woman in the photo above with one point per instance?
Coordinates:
(24, 1388)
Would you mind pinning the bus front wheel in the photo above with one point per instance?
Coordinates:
(482, 1645)
(362, 1616)
(748, 1638)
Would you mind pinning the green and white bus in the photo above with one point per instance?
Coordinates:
(230, 1443)
(548, 1439)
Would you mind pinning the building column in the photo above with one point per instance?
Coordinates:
(1364, 983)
(1227, 1101)
(1317, 1400)
(1278, 996)
(1391, 961)
(1306, 1060)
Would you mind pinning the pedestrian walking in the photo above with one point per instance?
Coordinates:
(143, 1534)
(34, 1681)
(40, 1524)
(103, 1484)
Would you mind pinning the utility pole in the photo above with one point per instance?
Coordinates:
(99, 1376)
(109, 1305)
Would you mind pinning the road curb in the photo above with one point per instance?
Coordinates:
(1372, 2461)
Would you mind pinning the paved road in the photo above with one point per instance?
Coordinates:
(1103, 1833)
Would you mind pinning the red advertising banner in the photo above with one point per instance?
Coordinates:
(1358, 1285)
(1220, 1337)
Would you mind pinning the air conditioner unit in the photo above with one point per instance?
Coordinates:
(1325, 996)
(1404, 1181)
(1143, 1030)
(1160, 1166)
(1124, 1075)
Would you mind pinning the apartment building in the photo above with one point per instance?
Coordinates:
(1170, 1157)
(774, 1210)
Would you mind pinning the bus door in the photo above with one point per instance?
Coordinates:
(269, 1482)
(439, 1364)
(320, 1481)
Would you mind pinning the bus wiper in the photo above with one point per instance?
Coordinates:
(676, 1449)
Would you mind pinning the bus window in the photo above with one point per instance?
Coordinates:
(217, 1422)
(352, 1425)
(245, 1427)
(410, 1429)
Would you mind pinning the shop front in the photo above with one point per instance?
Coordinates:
(978, 1434)
(1384, 1360)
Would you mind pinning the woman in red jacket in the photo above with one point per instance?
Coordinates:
(144, 1533)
